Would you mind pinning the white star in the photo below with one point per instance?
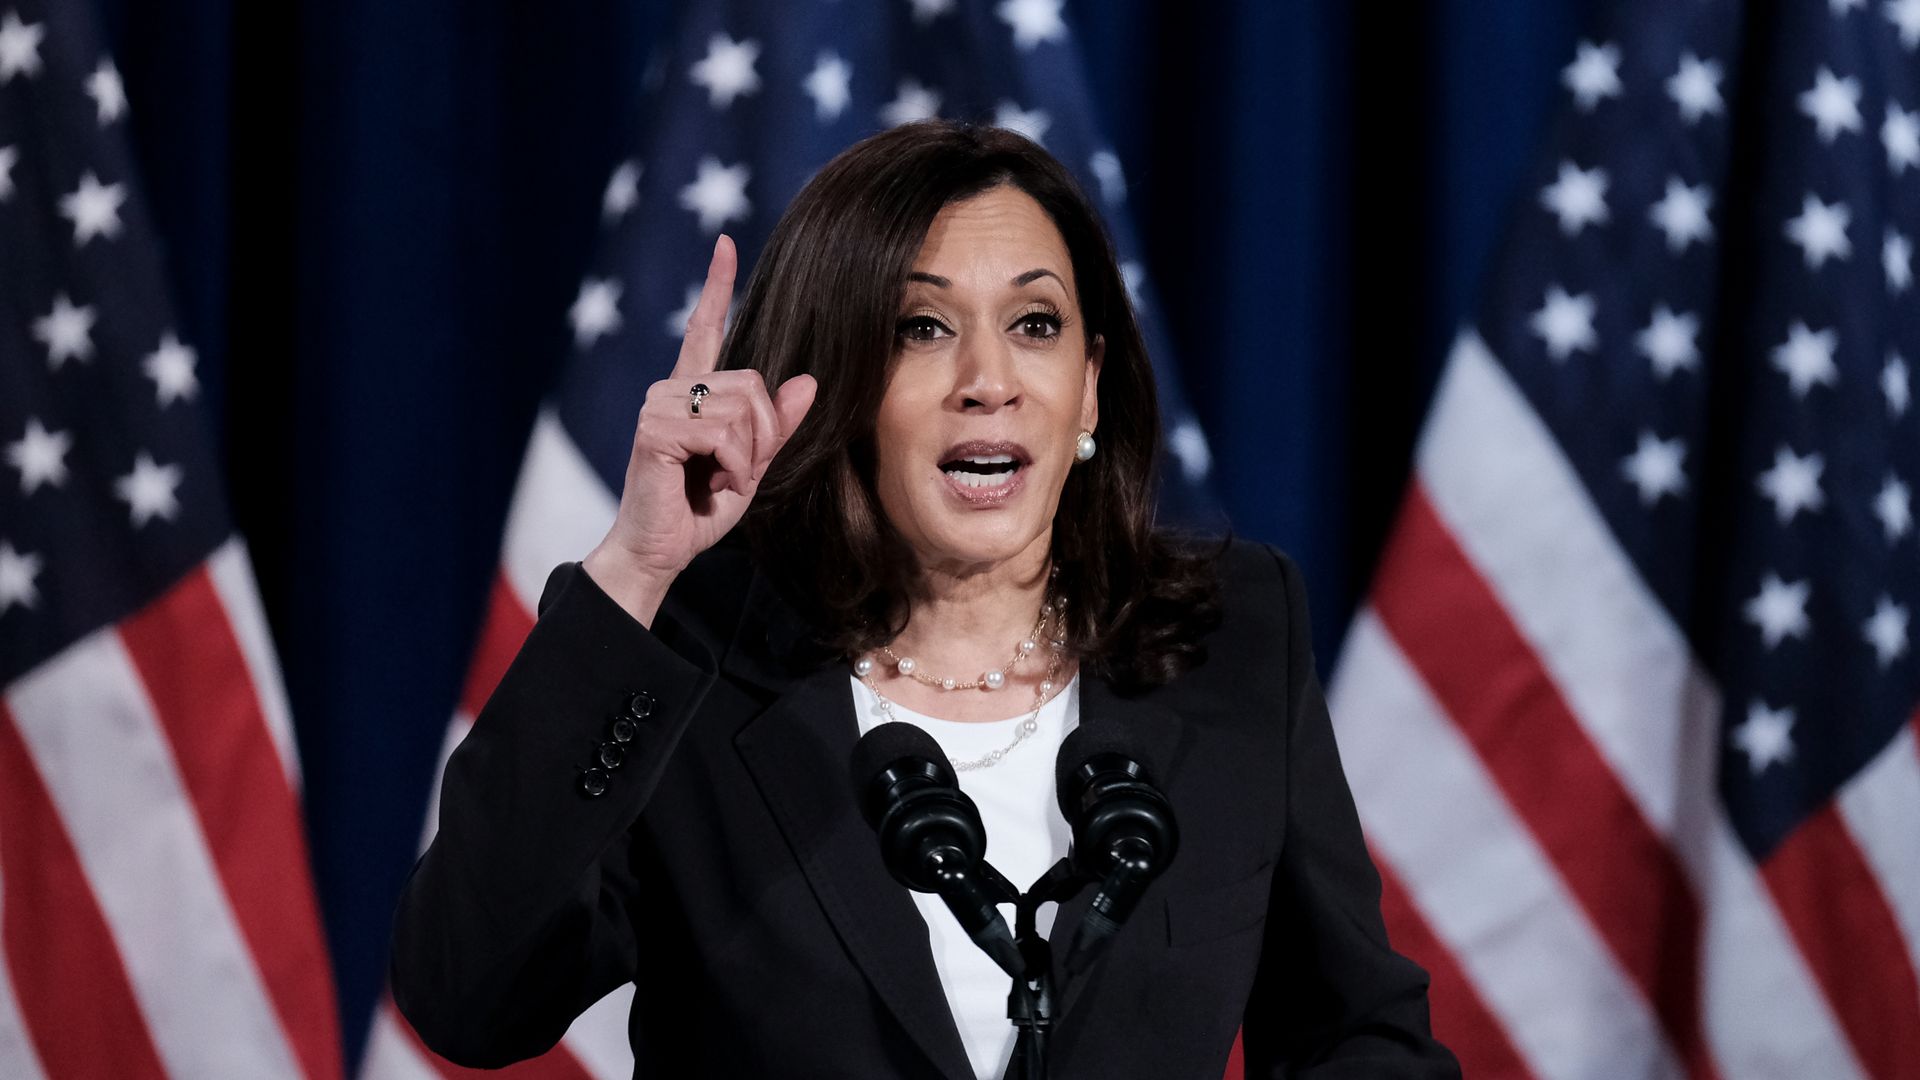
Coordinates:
(1695, 88)
(1821, 231)
(66, 331)
(1793, 484)
(1893, 385)
(94, 209)
(1900, 135)
(1766, 737)
(171, 368)
(19, 47)
(677, 321)
(596, 311)
(1654, 467)
(727, 70)
(40, 455)
(1806, 357)
(1841, 7)
(718, 194)
(829, 84)
(17, 571)
(1905, 14)
(912, 102)
(1894, 507)
(1682, 214)
(1833, 103)
(1106, 171)
(1033, 21)
(1031, 123)
(1886, 631)
(623, 192)
(1669, 341)
(1565, 323)
(1189, 446)
(108, 94)
(1578, 198)
(1896, 260)
(1593, 75)
(925, 11)
(149, 490)
(9, 156)
(1779, 609)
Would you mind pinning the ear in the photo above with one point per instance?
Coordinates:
(1090, 399)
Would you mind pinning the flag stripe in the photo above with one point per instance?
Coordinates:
(203, 695)
(1460, 1018)
(507, 624)
(1844, 927)
(560, 510)
(17, 1058)
(1498, 479)
(232, 573)
(1486, 677)
(1882, 807)
(393, 1052)
(77, 1013)
(87, 723)
(1496, 904)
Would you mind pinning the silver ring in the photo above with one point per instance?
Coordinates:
(694, 395)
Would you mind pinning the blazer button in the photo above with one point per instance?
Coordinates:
(593, 783)
(623, 729)
(640, 705)
(612, 755)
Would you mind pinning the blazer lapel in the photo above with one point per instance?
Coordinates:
(797, 751)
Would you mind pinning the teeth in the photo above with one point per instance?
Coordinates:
(994, 459)
(981, 480)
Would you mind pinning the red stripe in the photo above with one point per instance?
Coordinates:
(506, 628)
(1236, 1059)
(73, 991)
(556, 1064)
(1492, 684)
(196, 676)
(1461, 1020)
(1847, 931)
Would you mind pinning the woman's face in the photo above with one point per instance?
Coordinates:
(991, 385)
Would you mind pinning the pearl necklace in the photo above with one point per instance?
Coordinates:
(990, 680)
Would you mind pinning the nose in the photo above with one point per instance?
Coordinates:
(985, 379)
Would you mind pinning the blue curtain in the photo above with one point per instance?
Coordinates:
(377, 214)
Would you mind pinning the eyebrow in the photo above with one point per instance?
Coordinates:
(1027, 278)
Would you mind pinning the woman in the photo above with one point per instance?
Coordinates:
(934, 420)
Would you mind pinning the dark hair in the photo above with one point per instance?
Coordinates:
(824, 299)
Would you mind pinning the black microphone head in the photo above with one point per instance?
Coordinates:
(889, 743)
(1089, 741)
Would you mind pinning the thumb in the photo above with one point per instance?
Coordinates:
(792, 401)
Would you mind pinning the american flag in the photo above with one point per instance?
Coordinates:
(1631, 711)
(157, 917)
(753, 99)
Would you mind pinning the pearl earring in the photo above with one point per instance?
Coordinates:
(1083, 447)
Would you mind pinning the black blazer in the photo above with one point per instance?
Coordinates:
(726, 871)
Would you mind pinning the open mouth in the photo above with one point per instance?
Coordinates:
(979, 469)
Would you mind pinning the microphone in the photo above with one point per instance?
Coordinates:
(1124, 834)
(931, 837)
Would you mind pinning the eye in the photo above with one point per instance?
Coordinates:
(920, 328)
(1038, 324)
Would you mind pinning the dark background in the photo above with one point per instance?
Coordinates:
(378, 213)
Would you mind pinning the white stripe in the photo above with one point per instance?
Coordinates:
(1489, 892)
(232, 574)
(390, 1054)
(1513, 502)
(91, 729)
(560, 510)
(1882, 811)
(17, 1058)
(598, 1037)
(449, 741)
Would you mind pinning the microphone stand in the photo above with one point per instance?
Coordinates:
(1030, 1002)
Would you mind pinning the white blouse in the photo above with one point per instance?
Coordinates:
(1026, 835)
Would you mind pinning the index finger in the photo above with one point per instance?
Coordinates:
(700, 349)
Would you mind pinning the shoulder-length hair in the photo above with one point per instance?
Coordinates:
(824, 299)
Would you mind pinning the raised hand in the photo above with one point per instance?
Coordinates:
(692, 473)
